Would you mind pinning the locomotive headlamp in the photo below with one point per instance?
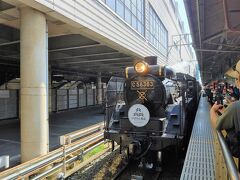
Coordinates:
(141, 67)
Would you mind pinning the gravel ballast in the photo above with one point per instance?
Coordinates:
(105, 167)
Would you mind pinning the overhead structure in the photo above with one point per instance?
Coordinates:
(71, 54)
(215, 30)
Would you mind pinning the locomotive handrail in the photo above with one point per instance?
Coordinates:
(110, 106)
(231, 166)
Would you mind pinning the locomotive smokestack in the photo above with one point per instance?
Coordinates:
(151, 60)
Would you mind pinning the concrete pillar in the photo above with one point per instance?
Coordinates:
(99, 89)
(34, 84)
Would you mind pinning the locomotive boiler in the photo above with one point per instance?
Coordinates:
(145, 111)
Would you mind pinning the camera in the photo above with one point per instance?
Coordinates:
(219, 97)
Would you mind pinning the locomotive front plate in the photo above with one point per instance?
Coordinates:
(146, 84)
(138, 115)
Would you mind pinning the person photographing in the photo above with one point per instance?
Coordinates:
(229, 118)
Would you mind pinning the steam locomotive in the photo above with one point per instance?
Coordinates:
(149, 110)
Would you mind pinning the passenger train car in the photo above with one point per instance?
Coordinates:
(150, 109)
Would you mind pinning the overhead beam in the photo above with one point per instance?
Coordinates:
(6, 6)
(10, 43)
(100, 67)
(216, 50)
(97, 69)
(8, 61)
(74, 71)
(18, 41)
(94, 61)
(9, 57)
(87, 55)
(86, 68)
(7, 64)
(76, 47)
(227, 45)
(106, 68)
(60, 85)
(92, 65)
(117, 63)
(214, 36)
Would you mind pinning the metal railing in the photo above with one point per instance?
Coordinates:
(76, 135)
(58, 161)
(231, 166)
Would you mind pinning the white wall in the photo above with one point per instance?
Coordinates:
(168, 17)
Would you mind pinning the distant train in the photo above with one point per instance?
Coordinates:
(150, 109)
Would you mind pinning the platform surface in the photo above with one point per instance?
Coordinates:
(60, 123)
(200, 159)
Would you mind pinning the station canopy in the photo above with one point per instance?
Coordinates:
(71, 54)
(215, 29)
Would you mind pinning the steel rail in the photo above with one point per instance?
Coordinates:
(231, 167)
(38, 163)
(44, 174)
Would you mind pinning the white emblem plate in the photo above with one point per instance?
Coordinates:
(138, 115)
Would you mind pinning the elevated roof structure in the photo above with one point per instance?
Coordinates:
(70, 53)
(215, 28)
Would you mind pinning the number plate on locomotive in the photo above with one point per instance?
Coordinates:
(142, 85)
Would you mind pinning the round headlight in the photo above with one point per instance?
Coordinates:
(141, 67)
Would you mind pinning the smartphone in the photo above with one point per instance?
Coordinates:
(219, 113)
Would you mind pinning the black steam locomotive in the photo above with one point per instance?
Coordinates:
(150, 109)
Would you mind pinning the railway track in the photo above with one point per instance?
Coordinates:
(133, 172)
(63, 161)
(114, 165)
(69, 159)
(171, 169)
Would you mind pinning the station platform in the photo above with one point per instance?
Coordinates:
(59, 124)
(200, 158)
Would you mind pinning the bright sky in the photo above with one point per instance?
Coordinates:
(183, 15)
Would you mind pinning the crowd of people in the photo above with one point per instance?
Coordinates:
(222, 92)
(225, 110)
